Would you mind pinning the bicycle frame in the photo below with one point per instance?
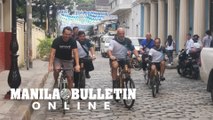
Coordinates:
(125, 81)
(122, 74)
(63, 88)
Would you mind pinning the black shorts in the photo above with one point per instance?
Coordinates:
(120, 63)
(157, 66)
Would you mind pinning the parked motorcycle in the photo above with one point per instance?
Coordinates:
(188, 65)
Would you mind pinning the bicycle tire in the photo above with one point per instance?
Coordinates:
(82, 79)
(136, 65)
(154, 86)
(130, 82)
(64, 111)
(149, 83)
(157, 79)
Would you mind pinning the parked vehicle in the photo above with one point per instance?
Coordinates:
(135, 64)
(105, 40)
(206, 70)
(188, 64)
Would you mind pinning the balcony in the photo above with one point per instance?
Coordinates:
(119, 6)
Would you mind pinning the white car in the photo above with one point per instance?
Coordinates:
(136, 42)
(206, 71)
(105, 40)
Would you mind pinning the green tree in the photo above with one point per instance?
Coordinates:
(20, 9)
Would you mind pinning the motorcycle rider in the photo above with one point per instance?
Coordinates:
(189, 45)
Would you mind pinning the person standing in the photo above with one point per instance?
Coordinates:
(170, 47)
(207, 39)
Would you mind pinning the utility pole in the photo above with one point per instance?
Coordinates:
(29, 62)
(47, 18)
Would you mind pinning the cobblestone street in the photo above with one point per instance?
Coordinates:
(179, 99)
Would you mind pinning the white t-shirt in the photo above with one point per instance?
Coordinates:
(157, 56)
(207, 41)
(118, 50)
(198, 44)
(171, 47)
(189, 45)
(81, 51)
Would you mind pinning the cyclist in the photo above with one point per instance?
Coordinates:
(61, 54)
(75, 32)
(119, 48)
(157, 58)
(84, 47)
(146, 45)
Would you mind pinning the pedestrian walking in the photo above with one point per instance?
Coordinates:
(207, 39)
(170, 47)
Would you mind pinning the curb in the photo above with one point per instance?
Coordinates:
(23, 110)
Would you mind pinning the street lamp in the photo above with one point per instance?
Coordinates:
(14, 78)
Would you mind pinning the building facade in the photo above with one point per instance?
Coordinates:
(102, 5)
(5, 37)
(5, 33)
(166, 17)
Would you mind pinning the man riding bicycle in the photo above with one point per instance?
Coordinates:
(84, 47)
(146, 45)
(119, 48)
(157, 58)
(61, 55)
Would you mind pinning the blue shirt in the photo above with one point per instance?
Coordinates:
(144, 43)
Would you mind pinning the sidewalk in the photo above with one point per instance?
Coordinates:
(33, 78)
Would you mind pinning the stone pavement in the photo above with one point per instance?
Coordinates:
(179, 99)
(33, 78)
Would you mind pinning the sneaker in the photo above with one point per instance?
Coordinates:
(172, 63)
(169, 65)
(162, 78)
(87, 75)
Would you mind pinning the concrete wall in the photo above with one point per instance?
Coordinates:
(37, 33)
(135, 21)
(7, 17)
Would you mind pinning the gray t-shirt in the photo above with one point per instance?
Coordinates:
(118, 50)
(207, 41)
(81, 51)
(157, 56)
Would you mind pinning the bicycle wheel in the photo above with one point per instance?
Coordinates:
(63, 107)
(81, 82)
(212, 94)
(157, 79)
(148, 83)
(129, 84)
(136, 65)
(154, 86)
